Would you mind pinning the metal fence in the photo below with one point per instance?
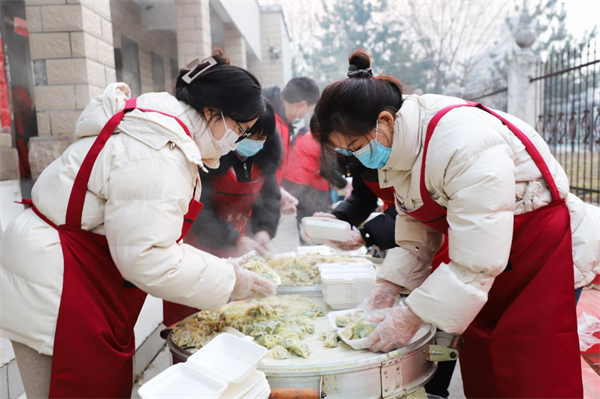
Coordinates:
(493, 93)
(567, 91)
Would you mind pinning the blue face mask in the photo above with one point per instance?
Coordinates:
(248, 148)
(374, 155)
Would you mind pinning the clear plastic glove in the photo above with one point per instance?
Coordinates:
(396, 328)
(246, 244)
(383, 296)
(324, 215)
(305, 237)
(249, 284)
(356, 241)
(264, 239)
(348, 189)
(288, 203)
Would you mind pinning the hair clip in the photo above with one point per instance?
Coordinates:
(192, 66)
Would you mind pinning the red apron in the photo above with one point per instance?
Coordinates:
(386, 194)
(523, 343)
(94, 341)
(233, 202)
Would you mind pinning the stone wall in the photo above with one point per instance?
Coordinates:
(127, 21)
(269, 71)
(72, 52)
(193, 30)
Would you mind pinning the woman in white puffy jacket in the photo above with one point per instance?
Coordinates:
(105, 228)
(488, 182)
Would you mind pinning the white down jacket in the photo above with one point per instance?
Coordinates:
(480, 171)
(139, 190)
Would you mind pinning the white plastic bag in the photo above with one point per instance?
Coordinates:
(587, 325)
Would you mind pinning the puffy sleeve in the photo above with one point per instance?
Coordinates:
(146, 202)
(409, 264)
(480, 186)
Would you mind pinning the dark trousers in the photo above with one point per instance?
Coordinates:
(441, 380)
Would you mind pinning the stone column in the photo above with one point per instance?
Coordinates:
(193, 30)
(235, 46)
(521, 92)
(73, 61)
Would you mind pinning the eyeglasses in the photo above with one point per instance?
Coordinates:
(243, 133)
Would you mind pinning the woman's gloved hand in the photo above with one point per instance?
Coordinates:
(246, 244)
(383, 296)
(324, 215)
(264, 239)
(356, 241)
(249, 284)
(288, 203)
(396, 328)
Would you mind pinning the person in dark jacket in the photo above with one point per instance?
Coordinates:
(241, 202)
(241, 199)
(360, 204)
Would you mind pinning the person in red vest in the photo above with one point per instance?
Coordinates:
(487, 183)
(105, 227)
(291, 105)
(309, 175)
(241, 201)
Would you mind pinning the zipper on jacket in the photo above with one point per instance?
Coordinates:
(245, 169)
(385, 178)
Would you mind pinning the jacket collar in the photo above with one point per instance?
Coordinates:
(409, 134)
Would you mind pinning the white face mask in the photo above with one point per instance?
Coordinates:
(228, 141)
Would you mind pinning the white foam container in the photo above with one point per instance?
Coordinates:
(345, 267)
(182, 381)
(333, 315)
(207, 373)
(322, 230)
(230, 358)
(346, 285)
(314, 249)
(244, 388)
(356, 344)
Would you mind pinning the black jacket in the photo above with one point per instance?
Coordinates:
(215, 232)
(379, 231)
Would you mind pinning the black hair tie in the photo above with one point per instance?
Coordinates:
(354, 72)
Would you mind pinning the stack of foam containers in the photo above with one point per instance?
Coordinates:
(224, 368)
(346, 285)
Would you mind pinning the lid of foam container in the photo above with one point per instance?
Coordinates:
(228, 357)
(345, 267)
(326, 228)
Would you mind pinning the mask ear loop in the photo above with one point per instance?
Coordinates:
(376, 134)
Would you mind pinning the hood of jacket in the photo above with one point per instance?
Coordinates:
(151, 128)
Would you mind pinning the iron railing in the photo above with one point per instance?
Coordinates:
(567, 90)
(493, 93)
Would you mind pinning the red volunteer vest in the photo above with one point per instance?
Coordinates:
(524, 342)
(94, 340)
